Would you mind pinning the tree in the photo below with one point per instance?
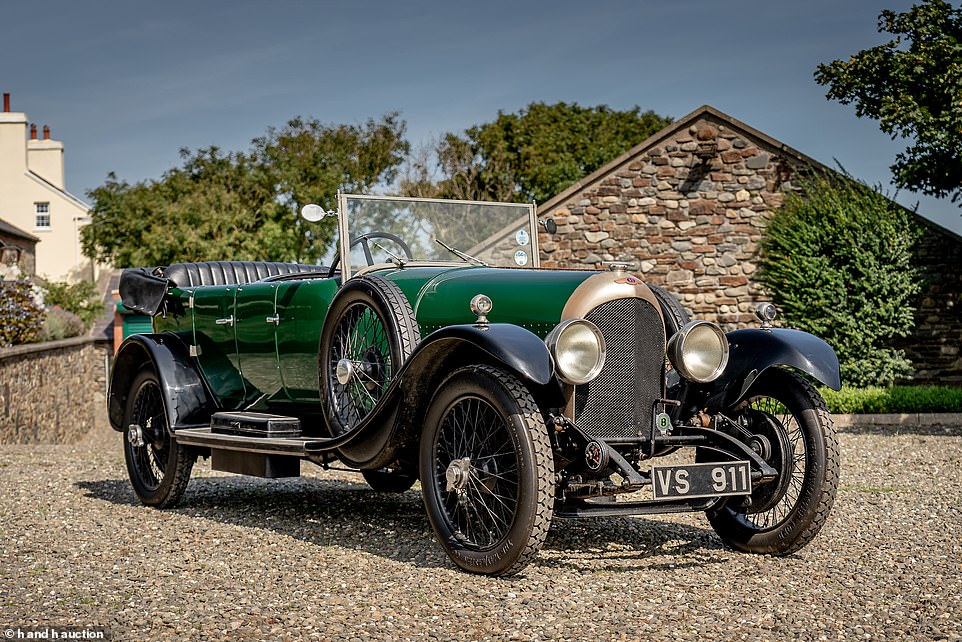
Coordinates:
(243, 205)
(533, 154)
(837, 259)
(913, 86)
(309, 162)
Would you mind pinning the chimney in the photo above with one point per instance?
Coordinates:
(46, 132)
(33, 131)
(6, 102)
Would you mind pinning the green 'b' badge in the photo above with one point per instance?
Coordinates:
(663, 422)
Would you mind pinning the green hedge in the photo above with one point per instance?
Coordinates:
(897, 399)
(837, 260)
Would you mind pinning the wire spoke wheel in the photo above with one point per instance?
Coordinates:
(361, 364)
(480, 507)
(369, 334)
(158, 467)
(769, 514)
(794, 433)
(150, 459)
(487, 471)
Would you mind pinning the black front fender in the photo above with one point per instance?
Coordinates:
(753, 350)
(386, 433)
(185, 396)
(518, 349)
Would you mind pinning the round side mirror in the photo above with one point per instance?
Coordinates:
(313, 212)
(549, 225)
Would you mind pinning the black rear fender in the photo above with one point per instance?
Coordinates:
(185, 397)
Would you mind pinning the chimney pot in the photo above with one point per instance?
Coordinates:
(33, 131)
(6, 102)
(46, 132)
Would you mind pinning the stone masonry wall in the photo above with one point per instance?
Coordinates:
(934, 346)
(52, 392)
(689, 212)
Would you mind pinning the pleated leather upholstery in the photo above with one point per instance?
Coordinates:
(232, 272)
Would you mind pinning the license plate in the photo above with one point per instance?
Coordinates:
(702, 480)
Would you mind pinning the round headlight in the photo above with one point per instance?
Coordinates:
(699, 351)
(578, 350)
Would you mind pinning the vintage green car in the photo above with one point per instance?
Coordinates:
(435, 348)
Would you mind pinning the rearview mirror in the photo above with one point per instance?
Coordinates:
(313, 212)
(549, 225)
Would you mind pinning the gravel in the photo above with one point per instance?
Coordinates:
(323, 557)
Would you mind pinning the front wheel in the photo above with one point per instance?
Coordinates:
(158, 467)
(788, 424)
(487, 472)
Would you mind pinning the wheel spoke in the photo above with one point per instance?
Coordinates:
(150, 458)
(796, 458)
(482, 511)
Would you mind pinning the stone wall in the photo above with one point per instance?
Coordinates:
(52, 392)
(689, 212)
(934, 345)
(689, 206)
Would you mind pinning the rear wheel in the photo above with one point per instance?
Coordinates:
(487, 472)
(158, 467)
(788, 424)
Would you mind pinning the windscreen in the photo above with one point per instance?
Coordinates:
(496, 234)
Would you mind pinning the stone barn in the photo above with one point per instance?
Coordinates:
(689, 206)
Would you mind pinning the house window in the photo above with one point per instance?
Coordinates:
(42, 219)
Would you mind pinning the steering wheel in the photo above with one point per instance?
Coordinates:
(363, 241)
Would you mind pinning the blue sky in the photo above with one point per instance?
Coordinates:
(125, 85)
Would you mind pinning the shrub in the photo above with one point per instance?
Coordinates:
(837, 259)
(897, 399)
(61, 324)
(81, 298)
(21, 319)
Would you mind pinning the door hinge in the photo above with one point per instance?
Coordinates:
(194, 351)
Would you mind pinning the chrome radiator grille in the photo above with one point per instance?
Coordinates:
(618, 404)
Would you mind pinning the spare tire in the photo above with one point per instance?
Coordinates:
(369, 332)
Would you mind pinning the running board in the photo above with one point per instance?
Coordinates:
(203, 437)
(269, 457)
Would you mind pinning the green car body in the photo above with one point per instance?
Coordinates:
(513, 393)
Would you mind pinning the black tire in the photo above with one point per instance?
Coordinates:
(796, 435)
(158, 467)
(389, 480)
(676, 317)
(495, 517)
(371, 327)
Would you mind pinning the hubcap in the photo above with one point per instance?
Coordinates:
(135, 435)
(344, 371)
(457, 474)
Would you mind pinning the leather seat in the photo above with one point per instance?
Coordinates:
(232, 272)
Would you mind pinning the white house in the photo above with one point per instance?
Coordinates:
(33, 198)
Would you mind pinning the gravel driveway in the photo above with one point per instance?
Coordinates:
(323, 557)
